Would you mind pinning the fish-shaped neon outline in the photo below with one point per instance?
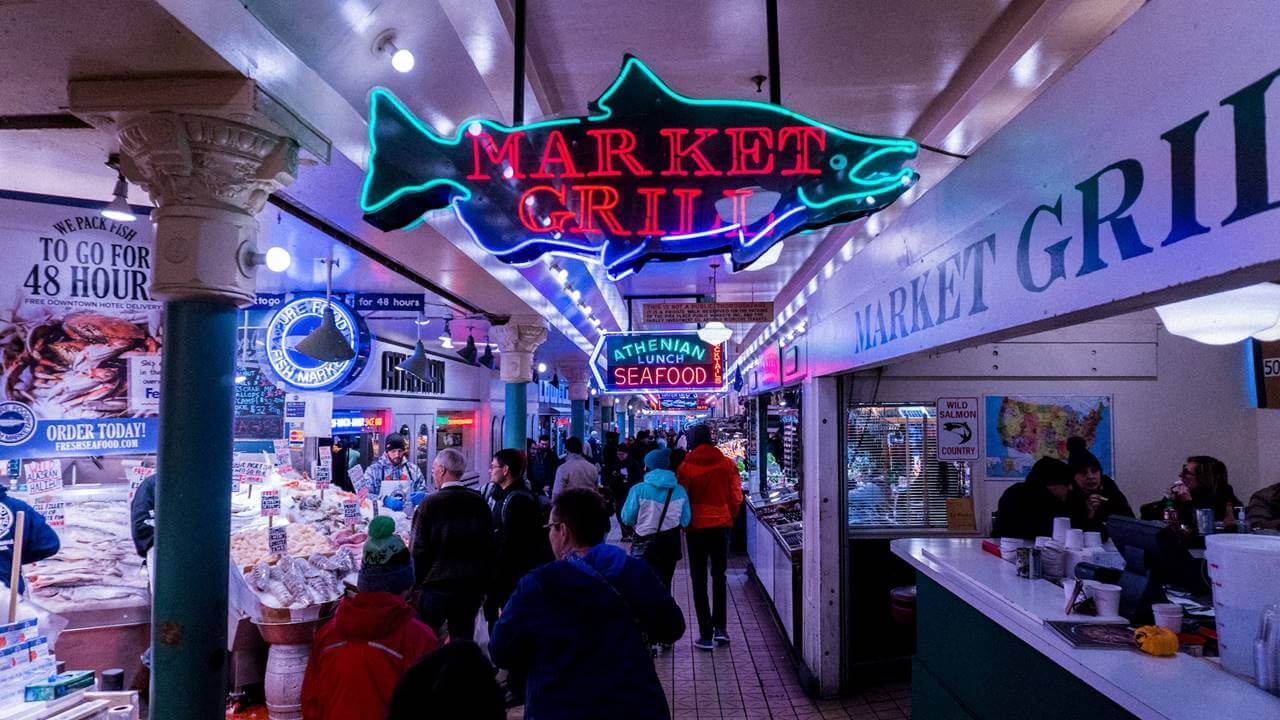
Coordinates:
(867, 193)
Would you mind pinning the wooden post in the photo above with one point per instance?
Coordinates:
(15, 571)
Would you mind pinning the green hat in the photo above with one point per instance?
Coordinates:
(387, 566)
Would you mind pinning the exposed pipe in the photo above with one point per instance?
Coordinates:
(517, 90)
(775, 66)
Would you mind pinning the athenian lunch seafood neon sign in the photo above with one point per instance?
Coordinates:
(659, 362)
(650, 175)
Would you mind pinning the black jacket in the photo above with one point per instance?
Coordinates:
(579, 627)
(521, 541)
(1027, 509)
(453, 538)
(1117, 504)
(143, 514)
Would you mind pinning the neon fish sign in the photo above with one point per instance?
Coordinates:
(659, 362)
(650, 175)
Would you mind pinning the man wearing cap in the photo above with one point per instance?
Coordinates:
(1027, 509)
(1094, 497)
(372, 640)
(392, 478)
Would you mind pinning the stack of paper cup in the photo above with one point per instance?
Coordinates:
(1060, 527)
(1009, 547)
(1093, 539)
(1075, 539)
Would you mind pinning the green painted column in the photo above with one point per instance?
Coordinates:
(518, 340)
(516, 429)
(578, 418)
(193, 511)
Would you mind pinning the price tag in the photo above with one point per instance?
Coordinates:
(278, 540)
(351, 511)
(137, 473)
(358, 483)
(284, 460)
(42, 476)
(253, 473)
(322, 473)
(52, 508)
(270, 502)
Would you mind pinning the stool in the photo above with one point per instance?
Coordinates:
(902, 604)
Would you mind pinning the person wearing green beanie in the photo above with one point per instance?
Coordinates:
(374, 637)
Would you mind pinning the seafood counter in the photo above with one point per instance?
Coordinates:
(97, 566)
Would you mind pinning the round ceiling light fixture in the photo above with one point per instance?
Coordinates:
(401, 58)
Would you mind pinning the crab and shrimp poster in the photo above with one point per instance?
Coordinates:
(80, 335)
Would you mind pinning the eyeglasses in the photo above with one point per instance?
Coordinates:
(551, 524)
(1187, 473)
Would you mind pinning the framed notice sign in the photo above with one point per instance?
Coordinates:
(958, 423)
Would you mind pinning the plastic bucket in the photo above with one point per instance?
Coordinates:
(1245, 573)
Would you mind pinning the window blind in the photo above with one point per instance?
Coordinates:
(892, 474)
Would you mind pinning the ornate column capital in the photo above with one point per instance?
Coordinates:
(209, 160)
(518, 340)
(579, 377)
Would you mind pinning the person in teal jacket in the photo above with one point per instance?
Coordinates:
(644, 511)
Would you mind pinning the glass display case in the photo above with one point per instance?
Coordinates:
(892, 475)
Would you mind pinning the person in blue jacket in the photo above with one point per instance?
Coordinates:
(39, 541)
(657, 508)
(580, 626)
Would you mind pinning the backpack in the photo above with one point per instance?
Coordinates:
(544, 504)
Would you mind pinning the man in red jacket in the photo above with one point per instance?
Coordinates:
(715, 495)
(373, 638)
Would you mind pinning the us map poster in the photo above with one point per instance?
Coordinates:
(80, 336)
(1021, 429)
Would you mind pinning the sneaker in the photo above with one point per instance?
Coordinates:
(721, 637)
(702, 644)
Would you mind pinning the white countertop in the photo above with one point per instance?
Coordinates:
(1181, 687)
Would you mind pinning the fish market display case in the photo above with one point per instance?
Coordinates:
(775, 535)
(96, 583)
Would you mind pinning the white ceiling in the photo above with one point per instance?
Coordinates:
(948, 73)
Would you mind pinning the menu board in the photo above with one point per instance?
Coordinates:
(259, 408)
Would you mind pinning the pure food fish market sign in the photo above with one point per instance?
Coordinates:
(650, 175)
(657, 362)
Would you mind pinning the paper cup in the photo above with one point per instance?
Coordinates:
(1168, 615)
(1075, 539)
(1093, 539)
(1060, 527)
(1105, 597)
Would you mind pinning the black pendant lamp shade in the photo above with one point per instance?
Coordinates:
(487, 358)
(555, 380)
(417, 364)
(326, 342)
(737, 380)
(469, 352)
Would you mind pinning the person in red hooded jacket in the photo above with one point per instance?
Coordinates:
(372, 640)
(715, 495)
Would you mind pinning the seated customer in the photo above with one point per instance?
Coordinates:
(1094, 496)
(373, 638)
(1027, 509)
(577, 626)
(1263, 512)
(1201, 484)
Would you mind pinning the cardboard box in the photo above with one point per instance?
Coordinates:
(59, 685)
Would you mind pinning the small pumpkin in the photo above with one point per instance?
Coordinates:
(1155, 640)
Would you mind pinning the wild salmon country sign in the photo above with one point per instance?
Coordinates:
(649, 175)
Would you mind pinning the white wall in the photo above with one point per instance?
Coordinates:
(1185, 398)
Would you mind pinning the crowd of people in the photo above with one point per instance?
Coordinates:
(1078, 489)
(574, 621)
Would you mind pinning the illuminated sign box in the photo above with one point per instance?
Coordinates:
(690, 402)
(649, 175)
(658, 362)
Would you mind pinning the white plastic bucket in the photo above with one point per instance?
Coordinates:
(1245, 574)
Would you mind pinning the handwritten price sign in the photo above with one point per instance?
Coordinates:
(323, 473)
(270, 502)
(351, 511)
(42, 476)
(278, 540)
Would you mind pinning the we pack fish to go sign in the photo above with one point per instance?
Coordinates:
(649, 175)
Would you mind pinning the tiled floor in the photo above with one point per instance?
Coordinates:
(754, 676)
